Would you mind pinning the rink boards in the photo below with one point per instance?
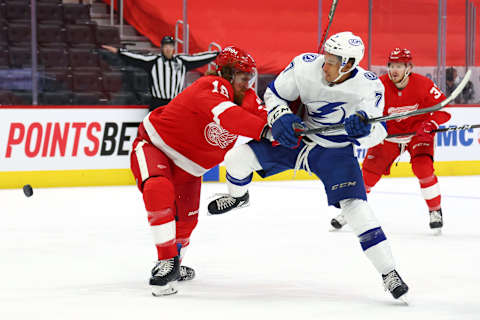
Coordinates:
(89, 145)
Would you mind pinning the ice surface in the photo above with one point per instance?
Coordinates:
(86, 253)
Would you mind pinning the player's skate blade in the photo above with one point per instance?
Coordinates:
(226, 203)
(186, 273)
(166, 290)
(164, 273)
(394, 284)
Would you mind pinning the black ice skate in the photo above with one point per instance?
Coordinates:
(338, 222)
(394, 284)
(226, 203)
(186, 273)
(436, 219)
(163, 274)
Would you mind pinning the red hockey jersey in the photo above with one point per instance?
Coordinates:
(419, 93)
(202, 123)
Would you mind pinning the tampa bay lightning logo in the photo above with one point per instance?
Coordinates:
(370, 76)
(355, 42)
(309, 57)
(327, 113)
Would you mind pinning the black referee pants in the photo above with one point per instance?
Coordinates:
(156, 102)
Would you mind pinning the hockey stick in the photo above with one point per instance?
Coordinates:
(330, 19)
(407, 114)
(455, 128)
(322, 41)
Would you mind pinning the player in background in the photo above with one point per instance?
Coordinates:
(407, 91)
(334, 89)
(177, 144)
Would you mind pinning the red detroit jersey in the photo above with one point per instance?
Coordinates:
(419, 93)
(202, 123)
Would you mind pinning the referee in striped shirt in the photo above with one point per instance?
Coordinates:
(166, 71)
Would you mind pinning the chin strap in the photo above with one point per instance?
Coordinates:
(340, 74)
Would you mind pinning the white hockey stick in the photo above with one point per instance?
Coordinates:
(407, 114)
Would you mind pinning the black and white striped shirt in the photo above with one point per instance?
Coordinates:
(167, 76)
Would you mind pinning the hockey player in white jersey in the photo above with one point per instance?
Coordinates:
(333, 89)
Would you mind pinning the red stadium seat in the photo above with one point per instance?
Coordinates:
(86, 81)
(49, 34)
(112, 81)
(107, 35)
(83, 59)
(20, 57)
(80, 35)
(53, 58)
(17, 10)
(19, 34)
(50, 12)
(56, 80)
(75, 13)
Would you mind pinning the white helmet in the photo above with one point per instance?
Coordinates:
(346, 45)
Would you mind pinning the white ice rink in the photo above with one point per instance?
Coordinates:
(86, 253)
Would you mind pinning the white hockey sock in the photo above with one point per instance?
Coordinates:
(240, 163)
(372, 239)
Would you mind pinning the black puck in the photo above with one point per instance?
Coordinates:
(28, 190)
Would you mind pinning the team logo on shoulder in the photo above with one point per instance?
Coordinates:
(217, 136)
(370, 75)
(355, 42)
(309, 57)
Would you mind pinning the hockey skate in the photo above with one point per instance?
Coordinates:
(163, 274)
(436, 220)
(338, 222)
(186, 273)
(226, 203)
(395, 285)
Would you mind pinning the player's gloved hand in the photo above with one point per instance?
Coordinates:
(357, 125)
(427, 128)
(282, 121)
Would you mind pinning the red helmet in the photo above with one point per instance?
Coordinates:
(237, 59)
(400, 55)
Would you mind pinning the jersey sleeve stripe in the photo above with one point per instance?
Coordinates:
(220, 108)
(138, 56)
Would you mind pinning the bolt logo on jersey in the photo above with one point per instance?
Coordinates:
(324, 110)
(309, 57)
(217, 136)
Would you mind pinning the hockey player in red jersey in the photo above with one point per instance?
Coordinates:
(177, 144)
(407, 91)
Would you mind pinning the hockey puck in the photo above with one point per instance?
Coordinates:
(28, 190)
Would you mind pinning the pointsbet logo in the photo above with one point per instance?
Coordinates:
(53, 139)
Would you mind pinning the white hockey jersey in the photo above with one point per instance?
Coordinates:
(328, 105)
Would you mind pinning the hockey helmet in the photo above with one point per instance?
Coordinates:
(400, 55)
(237, 59)
(346, 45)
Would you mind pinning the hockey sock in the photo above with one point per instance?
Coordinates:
(158, 195)
(372, 238)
